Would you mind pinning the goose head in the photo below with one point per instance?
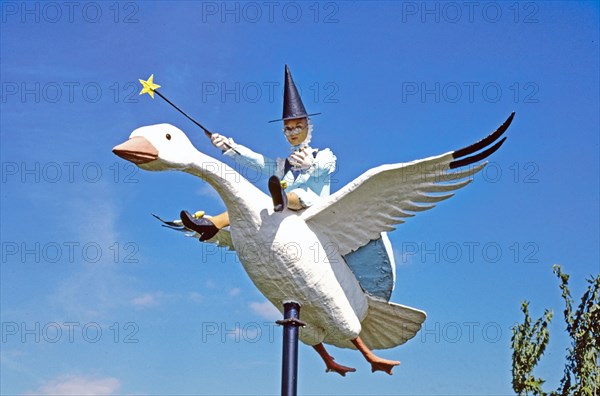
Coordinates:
(157, 148)
(164, 147)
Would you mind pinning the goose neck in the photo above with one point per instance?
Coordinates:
(238, 194)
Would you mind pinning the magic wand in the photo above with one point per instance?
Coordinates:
(149, 87)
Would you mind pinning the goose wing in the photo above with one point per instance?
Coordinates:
(384, 196)
(221, 238)
(374, 267)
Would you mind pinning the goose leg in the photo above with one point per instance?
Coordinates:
(331, 365)
(377, 363)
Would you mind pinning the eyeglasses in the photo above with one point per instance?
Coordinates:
(292, 131)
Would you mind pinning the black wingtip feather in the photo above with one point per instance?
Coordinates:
(485, 141)
(477, 157)
(170, 223)
(180, 228)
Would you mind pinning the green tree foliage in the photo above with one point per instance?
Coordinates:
(582, 372)
(528, 344)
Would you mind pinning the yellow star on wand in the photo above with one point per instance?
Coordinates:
(149, 86)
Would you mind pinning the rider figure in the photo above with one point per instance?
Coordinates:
(296, 182)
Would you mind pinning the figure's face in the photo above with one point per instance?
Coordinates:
(296, 130)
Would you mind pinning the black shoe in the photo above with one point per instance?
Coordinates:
(278, 194)
(203, 226)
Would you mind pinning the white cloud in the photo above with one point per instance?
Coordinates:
(234, 292)
(97, 216)
(95, 287)
(265, 310)
(80, 385)
(146, 300)
(196, 297)
(150, 300)
(210, 284)
(235, 334)
(246, 333)
(207, 191)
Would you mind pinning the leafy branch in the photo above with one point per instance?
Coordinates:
(581, 373)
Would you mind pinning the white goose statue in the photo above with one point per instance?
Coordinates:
(300, 265)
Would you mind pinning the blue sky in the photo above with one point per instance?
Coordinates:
(96, 295)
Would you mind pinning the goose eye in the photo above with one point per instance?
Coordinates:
(168, 136)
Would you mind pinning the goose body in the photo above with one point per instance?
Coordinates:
(304, 256)
(287, 262)
(277, 250)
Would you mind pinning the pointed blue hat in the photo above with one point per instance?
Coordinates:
(292, 102)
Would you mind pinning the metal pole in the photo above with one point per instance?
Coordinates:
(290, 322)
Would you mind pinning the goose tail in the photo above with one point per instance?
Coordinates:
(386, 325)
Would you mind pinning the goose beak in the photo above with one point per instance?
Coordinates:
(137, 150)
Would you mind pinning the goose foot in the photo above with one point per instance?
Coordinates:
(377, 363)
(329, 362)
(338, 368)
(203, 226)
(384, 365)
(277, 194)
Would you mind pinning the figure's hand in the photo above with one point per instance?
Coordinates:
(302, 159)
(221, 142)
